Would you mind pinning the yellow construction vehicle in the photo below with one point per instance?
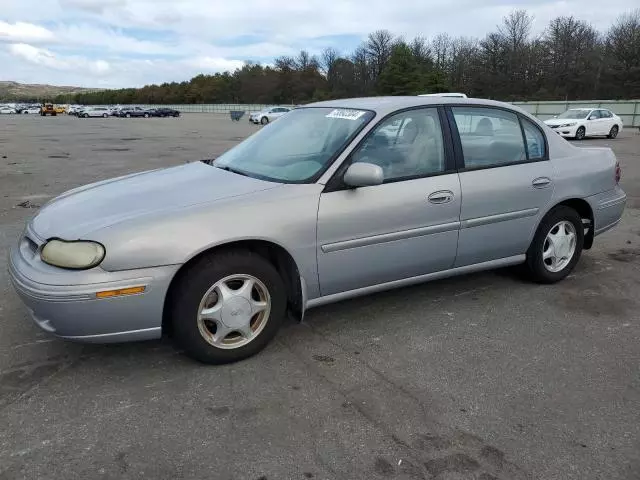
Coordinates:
(48, 109)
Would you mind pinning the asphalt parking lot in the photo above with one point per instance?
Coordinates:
(478, 377)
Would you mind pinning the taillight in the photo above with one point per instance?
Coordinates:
(618, 172)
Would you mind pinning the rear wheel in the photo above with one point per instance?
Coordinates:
(613, 133)
(105, 115)
(146, 115)
(556, 246)
(580, 133)
(128, 115)
(227, 306)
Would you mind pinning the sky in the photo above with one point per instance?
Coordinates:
(130, 43)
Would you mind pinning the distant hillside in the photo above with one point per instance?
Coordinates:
(14, 91)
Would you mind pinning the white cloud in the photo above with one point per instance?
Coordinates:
(46, 58)
(24, 32)
(133, 42)
(215, 64)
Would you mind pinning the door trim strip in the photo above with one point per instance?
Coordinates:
(500, 217)
(405, 282)
(389, 237)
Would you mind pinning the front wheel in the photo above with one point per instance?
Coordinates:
(613, 133)
(146, 115)
(128, 115)
(580, 133)
(264, 120)
(556, 246)
(227, 306)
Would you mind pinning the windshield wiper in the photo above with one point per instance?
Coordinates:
(227, 168)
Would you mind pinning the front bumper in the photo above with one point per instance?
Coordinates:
(64, 302)
(567, 132)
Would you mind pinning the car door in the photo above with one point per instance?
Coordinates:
(405, 227)
(593, 125)
(506, 182)
(607, 121)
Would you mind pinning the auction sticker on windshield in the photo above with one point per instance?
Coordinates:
(346, 114)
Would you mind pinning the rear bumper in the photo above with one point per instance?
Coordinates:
(608, 208)
(70, 309)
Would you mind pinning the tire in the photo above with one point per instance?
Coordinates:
(128, 115)
(538, 268)
(25, 113)
(176, 115)
(192, 291)
(613, 133)
(86, 115)
(580, 133)
(264, 120)
(146, 115)
(104, 115)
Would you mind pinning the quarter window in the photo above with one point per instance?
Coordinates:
(490, 137)
(535, 140)
(406, 145)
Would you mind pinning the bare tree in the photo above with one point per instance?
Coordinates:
(328, 59)
(378, 47)
(441, 46)
(421, 50)
(572, 58)
(623, 48)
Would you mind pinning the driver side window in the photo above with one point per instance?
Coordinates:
(406, 145)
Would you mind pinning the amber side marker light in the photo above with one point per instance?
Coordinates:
(120, 292)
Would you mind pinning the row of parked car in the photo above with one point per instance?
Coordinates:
(123, 112)
(20, 109)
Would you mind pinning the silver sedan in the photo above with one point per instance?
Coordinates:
(336, 199)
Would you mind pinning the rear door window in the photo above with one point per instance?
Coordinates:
(490, 137)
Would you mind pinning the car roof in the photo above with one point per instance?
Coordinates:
(386, 105)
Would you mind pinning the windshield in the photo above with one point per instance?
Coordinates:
(297, 146)
(575, 113)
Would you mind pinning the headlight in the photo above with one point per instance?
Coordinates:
(571, 124)
(77, 255)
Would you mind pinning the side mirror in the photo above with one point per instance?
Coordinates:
(592, 117)
(363, 175)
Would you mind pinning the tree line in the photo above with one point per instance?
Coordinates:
(570, 60)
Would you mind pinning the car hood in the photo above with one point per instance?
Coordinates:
(82, 210)
(553, 122)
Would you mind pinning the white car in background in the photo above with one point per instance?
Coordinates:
(268, 115)
(32, 110)
(4, 110)
(579, 123)
(95, 112)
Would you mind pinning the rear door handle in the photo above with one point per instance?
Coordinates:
(541, 182)
(443, 196)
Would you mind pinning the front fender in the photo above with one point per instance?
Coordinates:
(286, 217)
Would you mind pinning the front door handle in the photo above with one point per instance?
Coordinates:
(541, 182)
(443, 196)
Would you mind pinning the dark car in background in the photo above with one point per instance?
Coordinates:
(165, 112)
